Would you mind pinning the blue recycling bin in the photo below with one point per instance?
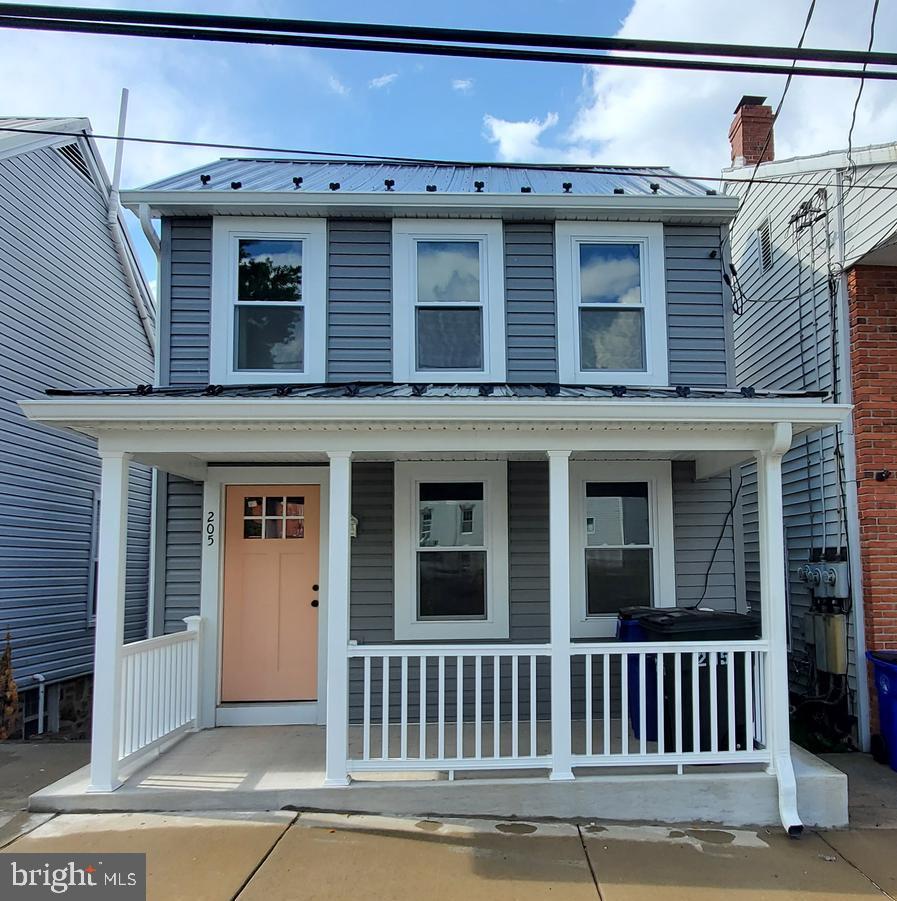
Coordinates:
(629, 628)
(884, 665)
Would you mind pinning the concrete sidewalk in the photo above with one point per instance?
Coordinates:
(330, 857)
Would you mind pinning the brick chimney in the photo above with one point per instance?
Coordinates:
(749, 130)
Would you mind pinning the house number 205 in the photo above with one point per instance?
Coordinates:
(210, 529)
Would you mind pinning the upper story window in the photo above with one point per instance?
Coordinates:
(611, 303)
(449, 301)
(268, 300)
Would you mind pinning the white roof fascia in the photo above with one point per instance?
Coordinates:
(876, 155)
(718, 207)
(13, 143)
(147, 411)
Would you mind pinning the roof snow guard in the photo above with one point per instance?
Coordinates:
(386, 188)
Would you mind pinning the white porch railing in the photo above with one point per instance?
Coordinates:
(453, 707)
(159, 689)
(448, 707)
(669, 703)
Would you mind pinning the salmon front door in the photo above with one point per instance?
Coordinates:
(270, 616)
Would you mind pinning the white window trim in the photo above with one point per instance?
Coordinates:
(494, 476)
(649, 236)
(226, 231)
(489, 233)
(658, 475)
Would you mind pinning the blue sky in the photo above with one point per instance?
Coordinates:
(433, 107)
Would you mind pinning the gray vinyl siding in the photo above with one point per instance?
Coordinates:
(185, 278)
(698, 322)
(359, 301)
(785, 343)
(530, 315)
(67, 319)
(178, 582)
(870, 217)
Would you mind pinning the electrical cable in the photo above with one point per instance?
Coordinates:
(716, 547)
(851, 166)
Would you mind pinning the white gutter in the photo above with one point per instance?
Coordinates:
(717, 207)
(848, 448)
(145, 410)
(146, 223)
(116, 229)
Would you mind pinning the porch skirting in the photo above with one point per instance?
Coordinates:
(270, 768)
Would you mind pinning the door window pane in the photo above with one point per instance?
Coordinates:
(269, 270)
(451, 584)
(273, 528)
(448, 272)
(295, 528)
(451, 514)
(618, 577)
(617, 513)
(449, 338)
(252, 506)
(269, 337)
(612, 339)
(610, 273)
(252, 528)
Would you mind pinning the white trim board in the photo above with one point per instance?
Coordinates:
(211, 579)
(261, 714)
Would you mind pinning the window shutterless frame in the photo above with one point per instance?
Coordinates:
(408, 478)
(658, 477)
(487, 235)
(648, 237)
(227, 233)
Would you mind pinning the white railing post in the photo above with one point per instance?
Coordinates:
(107, 682)
(559, 569)
(194, 624)
(338, 619)
(772, 601)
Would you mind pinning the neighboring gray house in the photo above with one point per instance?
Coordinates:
(75, 312)
(425, 430)
(815, 250)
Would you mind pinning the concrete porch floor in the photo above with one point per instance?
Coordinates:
(276, 767)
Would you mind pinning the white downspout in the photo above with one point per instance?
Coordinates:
(848, 448)
(116, 229)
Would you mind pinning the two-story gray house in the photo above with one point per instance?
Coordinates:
(75, 312)
(424, 430)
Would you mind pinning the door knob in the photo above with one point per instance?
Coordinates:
(315, 602)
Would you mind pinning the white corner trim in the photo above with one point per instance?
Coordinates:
(494, 475)
(658, 475)
(489, 235)
(226, 231)
(649, 237)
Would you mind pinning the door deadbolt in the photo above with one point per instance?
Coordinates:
(315, 602)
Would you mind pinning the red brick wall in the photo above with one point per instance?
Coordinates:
(748, 133)
(872, 299)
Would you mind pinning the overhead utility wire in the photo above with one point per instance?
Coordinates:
(321, 156)
(446, 35)
(427, 49)
(851, 167)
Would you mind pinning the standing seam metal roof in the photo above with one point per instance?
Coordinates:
(452, 178)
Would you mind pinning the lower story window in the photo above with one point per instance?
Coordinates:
(451, 550)
(621, 542)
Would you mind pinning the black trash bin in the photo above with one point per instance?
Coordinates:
(687, 624)
(629, 628)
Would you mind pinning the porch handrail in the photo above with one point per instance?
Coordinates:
(435, 650)
(159, 689)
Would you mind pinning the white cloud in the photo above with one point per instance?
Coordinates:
(520, 140)
(462, 85)
(383, 81)
(337, 86)
(666, 117)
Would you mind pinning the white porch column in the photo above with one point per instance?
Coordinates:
(773, 612)
(559, 571)
(338, 619)
(113, 552)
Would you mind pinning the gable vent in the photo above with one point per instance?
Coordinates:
(72, 154)
(764, 245)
